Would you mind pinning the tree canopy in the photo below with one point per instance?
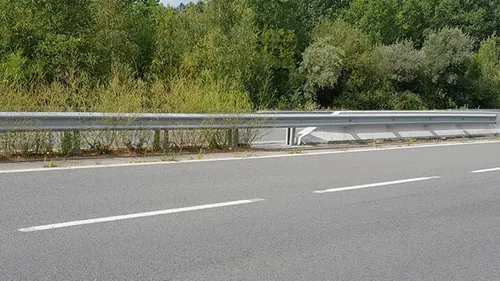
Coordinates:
(241, 55)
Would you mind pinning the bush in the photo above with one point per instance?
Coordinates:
(383, 98)
(485, 74)
(322, 65)
(183, 95)
(400, 62)
(123, 93)
(448, 54)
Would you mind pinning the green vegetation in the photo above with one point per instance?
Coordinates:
(50, 164)
(235, 56)
(295, 151)
(221, 56)
(169, 158)
(410, 141)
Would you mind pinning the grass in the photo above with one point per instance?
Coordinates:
(200, 154)
(50, 164)
(122, 93)
(375, 144)
(169, 158)
(296, 151)
(248, 155)
(410, 141)
(496, 138)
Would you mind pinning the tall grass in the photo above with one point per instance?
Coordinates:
(122, 93)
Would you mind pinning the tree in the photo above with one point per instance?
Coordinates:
(296, 15)
(352, 47)
(402, 63)
(485, 74)
(322, 65)
(448, 54)
(377, 18)
(50, 34)
(478, 18)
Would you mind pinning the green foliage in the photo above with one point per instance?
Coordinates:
(274, 79)
(298, 16)
(241, 55)
(235, 56)
(485, 74)
(350, 45)
(400, 62)
(322, 65)
(377, 18)
(50, 164)
(200, 96)
(393, 20)
(448, 54)
(382, 99)
(352, 41)
(11, 68)
(478, 18)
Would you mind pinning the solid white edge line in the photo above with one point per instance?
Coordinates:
(137, 215)
(486, 170)
(242, 159)
(374, 185)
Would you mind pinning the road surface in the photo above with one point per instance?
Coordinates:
(408, 214)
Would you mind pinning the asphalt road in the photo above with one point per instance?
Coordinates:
(408, 214)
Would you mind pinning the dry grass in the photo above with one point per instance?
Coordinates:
(122, 93)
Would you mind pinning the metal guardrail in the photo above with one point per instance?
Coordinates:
(68, 121)
(385, 112)
(77, 121)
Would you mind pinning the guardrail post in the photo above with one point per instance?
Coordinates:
(76, 143)
(156, 141)
(229, 137)
(72, 140)
(290, 136)
(235, 140)
(67, 143)
(166, 141)
(70, 143)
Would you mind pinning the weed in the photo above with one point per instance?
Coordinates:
(169, 158)
(375, 143)
(295, 151)
(121, 92)
(200, 154)
(50, 164)
(410, 141)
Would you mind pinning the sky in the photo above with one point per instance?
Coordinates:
(175, 3)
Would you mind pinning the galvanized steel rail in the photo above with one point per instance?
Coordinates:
(68, 121)
(77, 121)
